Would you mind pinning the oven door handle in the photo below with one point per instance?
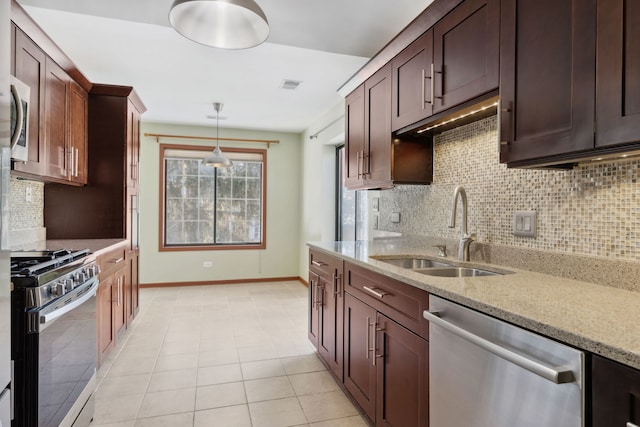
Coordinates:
(50, 317)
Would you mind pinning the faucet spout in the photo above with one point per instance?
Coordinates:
(465, 237)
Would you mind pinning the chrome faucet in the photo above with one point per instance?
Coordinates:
(465, 238)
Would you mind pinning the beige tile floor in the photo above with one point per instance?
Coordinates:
(224, 355)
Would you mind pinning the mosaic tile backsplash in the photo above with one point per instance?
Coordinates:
(593, 209)
(26, 214)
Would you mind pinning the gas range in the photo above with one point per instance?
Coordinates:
(50, 274)
(54, 340)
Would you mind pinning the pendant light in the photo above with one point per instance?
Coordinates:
(226, 24)
(217, 159)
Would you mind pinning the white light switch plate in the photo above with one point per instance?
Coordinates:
(395, 217)
(524, 223)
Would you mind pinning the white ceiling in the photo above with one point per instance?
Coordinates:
(320, 43)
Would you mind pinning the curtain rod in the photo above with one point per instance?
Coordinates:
(208, 138)
(315, 135)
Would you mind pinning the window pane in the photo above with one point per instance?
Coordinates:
(239, 188)
(253, 189)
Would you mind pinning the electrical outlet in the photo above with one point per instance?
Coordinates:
(28, 195)
(395, 217)
(207, 264)
(376, 204)
(524, 223)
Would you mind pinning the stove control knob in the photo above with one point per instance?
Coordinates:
(69, 284)
(81, 277)
(93, 270)
(57, 289)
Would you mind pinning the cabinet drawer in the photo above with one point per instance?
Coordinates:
(111, 261)
(396, 300)
(324, 265)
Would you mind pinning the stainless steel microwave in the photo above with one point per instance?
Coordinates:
(20, 99)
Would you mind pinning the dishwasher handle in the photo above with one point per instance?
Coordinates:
(555, 375)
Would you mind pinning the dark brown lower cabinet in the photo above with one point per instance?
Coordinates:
(359, 368)
(615, 394)
(386, 367)
(402, 376)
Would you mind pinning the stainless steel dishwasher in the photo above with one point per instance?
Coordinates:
(484, 372)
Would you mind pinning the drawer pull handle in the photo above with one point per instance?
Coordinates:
(373, 291)
(630, 424)
(318, 263)
(337, 278)
(118, 260)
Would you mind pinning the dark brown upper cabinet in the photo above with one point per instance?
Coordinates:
(29, 66)
(466, 53)
(547, 79)
(452, 63)
(618, 73)
(374, 159)
(411, 79)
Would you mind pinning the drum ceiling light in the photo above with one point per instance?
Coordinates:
(226, 24)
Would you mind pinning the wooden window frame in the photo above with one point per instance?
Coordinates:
(207, 247)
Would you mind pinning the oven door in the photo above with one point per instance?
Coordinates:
(67, 354)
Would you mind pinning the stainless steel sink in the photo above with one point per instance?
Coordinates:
(457, 272)
(414, 263)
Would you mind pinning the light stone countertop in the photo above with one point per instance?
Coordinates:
(600, 319)
(96, 246)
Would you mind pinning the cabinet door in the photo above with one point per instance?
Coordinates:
(411, 70)
(30, 69)
(355, 137)
(618, 73)
(314, 302)
(78, 133)
(547, 52)
(466, 53)
(616, 394)
(106, 336)
(330, 323)
(377, 151)
(402, 376)
(359, 353)
(56, 96)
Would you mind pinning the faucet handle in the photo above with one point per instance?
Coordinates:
(442, 250)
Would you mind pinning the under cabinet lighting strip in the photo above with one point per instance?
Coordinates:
(208, 138)
(462, 116)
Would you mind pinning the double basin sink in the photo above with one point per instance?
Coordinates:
(437, 268)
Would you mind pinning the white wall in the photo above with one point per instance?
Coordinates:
(318, 184)
(279, 259)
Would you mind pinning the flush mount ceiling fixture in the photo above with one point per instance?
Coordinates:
(226, 24)
(217, 159)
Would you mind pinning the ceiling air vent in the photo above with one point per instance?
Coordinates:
(290, 84)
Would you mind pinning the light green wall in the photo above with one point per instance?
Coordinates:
(279, 259)
(318, 160)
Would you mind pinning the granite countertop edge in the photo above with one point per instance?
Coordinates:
(600, 319)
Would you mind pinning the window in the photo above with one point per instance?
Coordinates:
(212, 208)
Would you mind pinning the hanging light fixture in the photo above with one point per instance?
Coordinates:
(217, 159)
(227, 24)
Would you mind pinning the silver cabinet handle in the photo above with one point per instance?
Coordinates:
(20, 118)
(367, 339)
(630, 424)
(117, 260)
(318, 263)
(424, 98)
(555, 375)
(433, 84)
(336, 287)
(75, 170)
(373, 291)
